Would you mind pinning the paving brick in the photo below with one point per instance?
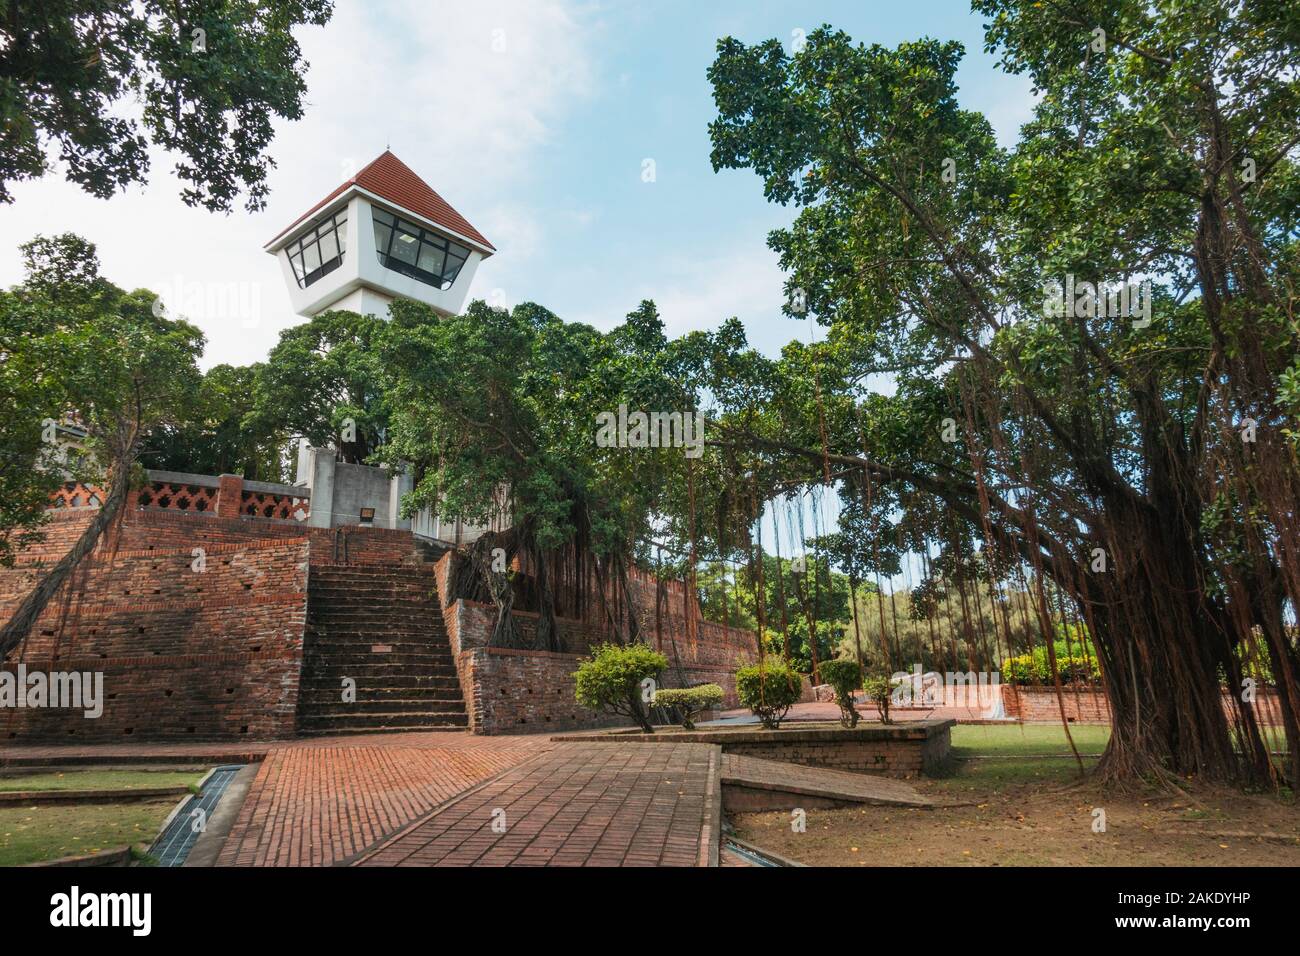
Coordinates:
(578, 804)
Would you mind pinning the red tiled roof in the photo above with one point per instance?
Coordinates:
(391, 179)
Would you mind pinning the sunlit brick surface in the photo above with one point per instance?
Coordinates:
(316, 804)
(578, 805)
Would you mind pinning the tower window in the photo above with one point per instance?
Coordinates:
(319, 250)
(416, 252)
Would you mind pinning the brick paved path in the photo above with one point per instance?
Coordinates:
(593, 804)
(313, 804)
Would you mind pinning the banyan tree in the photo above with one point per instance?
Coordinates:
(1076, 356)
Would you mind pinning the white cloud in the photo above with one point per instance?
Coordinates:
(423, 78)
(694, 293)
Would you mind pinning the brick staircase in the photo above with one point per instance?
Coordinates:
(382, 626)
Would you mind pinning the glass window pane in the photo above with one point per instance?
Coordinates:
(341, 232)
(404, 248)
(311, 257)
(296, 263)
(382, 235)
(381, 216)
(431, 259)
(329, 247)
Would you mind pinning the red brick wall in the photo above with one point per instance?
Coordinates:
(522, 691)
(509, 691)
(1084, 705)
(1087, 705)
(189, 654)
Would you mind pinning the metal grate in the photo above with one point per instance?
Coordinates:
(175, 842)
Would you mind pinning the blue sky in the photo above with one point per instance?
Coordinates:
(534, 120)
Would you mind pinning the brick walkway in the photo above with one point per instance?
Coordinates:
(578, 804)
(317, 802)
(249, 751)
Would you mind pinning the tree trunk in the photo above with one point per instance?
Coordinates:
(548, 634)
(32, 606)
(1162, 644)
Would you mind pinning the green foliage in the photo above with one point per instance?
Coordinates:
(690, 701)
(924, 248)
(72, 69)
(879, 689)
(498, 412)
(1036, 668)
(844, 676)
(610, 680)
(74, 343)
(769, 690)
(812, 587)
(224, 434)
(925, 625)
(324, 381)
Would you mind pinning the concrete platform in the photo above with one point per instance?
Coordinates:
(912, 749)
(750, 784)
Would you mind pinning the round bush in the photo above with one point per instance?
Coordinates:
(690, 701)
(610, 680)
(768, 691)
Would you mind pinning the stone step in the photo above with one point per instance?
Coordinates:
(375, 652)
(339, 586)
(404, 573)
(396, 719)
(333, 669)
(389, 682)
(364, 637)
(332, 693)
(416, 618)
(387, 705)
(411, 686)
(351, 600)
(397, 598)
(391, 608)
(337, 732)
(366, 648)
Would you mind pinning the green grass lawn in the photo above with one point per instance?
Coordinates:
(102, 780)
(991, 757)
(29, 834)
(1007, 740)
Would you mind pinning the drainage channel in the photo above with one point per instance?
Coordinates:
(186, 824)
(750, 856)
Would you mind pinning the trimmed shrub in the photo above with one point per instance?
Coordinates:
(610, 680)
(844, 677)
(1036, 668)
(769, 691)
(879, 688)
(1019, 670)
(689, 701)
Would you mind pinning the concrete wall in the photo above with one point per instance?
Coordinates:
(339, 491)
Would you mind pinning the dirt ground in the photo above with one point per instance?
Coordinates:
(1023, 815)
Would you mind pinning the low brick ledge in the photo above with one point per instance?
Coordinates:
(911, 730)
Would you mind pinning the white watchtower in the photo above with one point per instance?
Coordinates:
(381, 235)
